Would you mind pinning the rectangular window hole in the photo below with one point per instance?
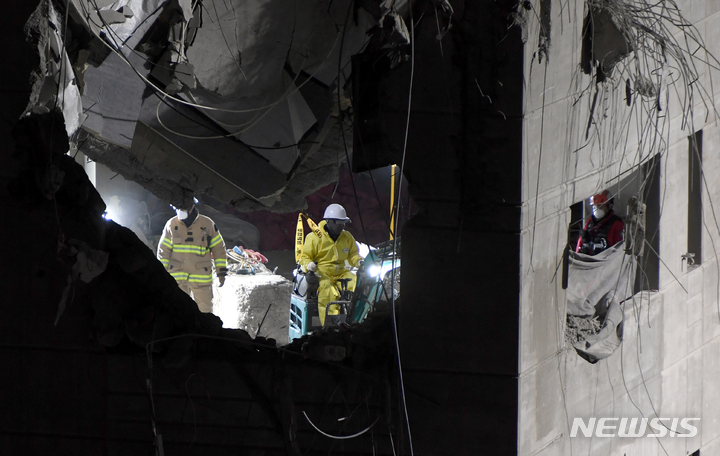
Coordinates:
(695, 229)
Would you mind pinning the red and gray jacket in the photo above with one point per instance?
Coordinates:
(609, 229)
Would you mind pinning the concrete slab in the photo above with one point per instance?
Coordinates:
(711, 307)
(711, 388)
(542, 420)
(694, 393)
(674, 333)
(257, 303)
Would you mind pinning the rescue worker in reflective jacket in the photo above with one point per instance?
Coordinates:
(603, 229)
(189, 245)
(331, 255)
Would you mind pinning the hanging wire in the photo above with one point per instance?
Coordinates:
(397, 221)
(342, 130)
(340, 437)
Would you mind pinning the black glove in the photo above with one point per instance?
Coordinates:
(221, 279)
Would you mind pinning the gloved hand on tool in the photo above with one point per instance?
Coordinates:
(312, 266)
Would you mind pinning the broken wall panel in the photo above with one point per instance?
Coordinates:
(112, 98)
(54, 84)
(603, 43)
(239, 51)
(139, 16)
(212, 158)
(274, 122)
(334, 35)
(242, 46)
(122, 22)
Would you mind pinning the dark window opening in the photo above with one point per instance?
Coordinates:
(648, 274)
(574, 229)
(694, 235)
(544, 39)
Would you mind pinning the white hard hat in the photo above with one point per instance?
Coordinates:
(337, 212)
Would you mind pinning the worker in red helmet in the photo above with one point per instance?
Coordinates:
(603, 229)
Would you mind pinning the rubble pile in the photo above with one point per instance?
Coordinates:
(579, 329)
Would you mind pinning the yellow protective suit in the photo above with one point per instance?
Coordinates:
(330, 257)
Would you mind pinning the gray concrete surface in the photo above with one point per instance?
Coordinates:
(257, 303)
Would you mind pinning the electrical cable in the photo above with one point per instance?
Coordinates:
(402, 168)
(340, 437)
(186, 116)
(342, 130)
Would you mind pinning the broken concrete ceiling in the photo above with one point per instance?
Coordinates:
(232, 99)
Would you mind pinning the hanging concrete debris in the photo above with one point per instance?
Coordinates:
(54, 83)
(604, 44)
(635, 227)
(391, 38)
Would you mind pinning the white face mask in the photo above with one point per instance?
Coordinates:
(598, 213)
(182, 215)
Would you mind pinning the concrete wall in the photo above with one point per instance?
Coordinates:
(667, 365)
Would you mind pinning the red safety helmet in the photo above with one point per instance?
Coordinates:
(600, 198)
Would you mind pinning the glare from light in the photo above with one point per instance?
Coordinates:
(363, 249)
(375, 271)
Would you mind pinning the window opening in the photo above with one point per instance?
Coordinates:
(544, 38)
(574, 230)
(694, 235)
(649, 193)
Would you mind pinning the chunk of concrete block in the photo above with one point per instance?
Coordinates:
(257, 303)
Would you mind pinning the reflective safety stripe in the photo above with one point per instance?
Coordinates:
(168, 243)
(200, 278)
(216, 240)
(179, 275)
(220, 263)
(189, 248)
(165, 261)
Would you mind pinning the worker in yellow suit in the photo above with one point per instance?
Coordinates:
(189, 245)
(331, 255)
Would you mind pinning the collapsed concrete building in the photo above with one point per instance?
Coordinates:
(518, 112)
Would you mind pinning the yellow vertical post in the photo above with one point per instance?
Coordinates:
(392, 201)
